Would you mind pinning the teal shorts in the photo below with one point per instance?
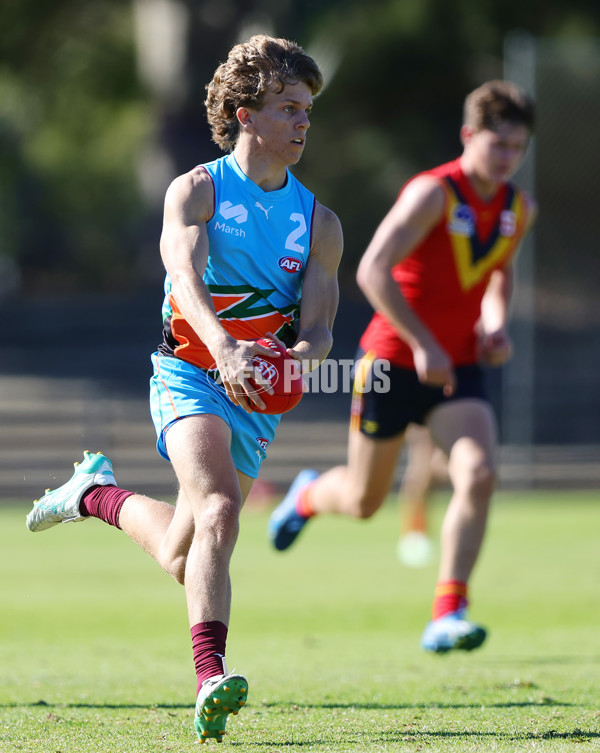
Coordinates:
(178, 389)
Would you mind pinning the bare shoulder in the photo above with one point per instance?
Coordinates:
(191, 196)
(327, 232)
(418, 208)
(326, 221)
(424, 193)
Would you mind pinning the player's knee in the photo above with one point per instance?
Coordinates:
(481, 481)
(219, 520)
(472, 472)
(365, 503)
(173, 562)
(177, 569)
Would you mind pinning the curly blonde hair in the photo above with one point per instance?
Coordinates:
(251, 69)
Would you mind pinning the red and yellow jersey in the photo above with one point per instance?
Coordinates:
(444, 279)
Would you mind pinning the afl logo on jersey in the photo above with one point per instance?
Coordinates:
(462, 221)
(262, 442)
(291, 265)
(508, 223)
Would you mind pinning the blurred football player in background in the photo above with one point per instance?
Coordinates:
(439, 275)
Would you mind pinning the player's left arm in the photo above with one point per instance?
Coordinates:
(320, 293)
(495, 345)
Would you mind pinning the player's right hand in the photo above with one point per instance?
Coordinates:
(234, 363)
(495, 348)
(434, 368)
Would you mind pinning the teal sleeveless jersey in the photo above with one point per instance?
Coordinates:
(259, 242)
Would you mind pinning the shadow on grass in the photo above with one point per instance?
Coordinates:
(577, 735)
(113, 706)
(544, 701)
(399, 736)
(432, 706)
(545, 660)
(404, 736)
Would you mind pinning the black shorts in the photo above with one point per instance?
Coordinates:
(393, 397)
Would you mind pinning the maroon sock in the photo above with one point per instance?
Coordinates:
(104, 502)
(208, 642)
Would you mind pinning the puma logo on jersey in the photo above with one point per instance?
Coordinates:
(266, 211)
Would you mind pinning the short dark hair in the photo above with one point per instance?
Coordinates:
(251, 69)
(498, 101)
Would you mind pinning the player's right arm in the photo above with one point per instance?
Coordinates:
(189, 204)
(416, 212)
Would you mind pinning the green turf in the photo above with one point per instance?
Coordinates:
(95, 654)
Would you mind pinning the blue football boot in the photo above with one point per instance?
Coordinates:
(452, 631)
(286, 523)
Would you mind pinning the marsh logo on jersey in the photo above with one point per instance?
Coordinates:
(462, 221)
(262, 442)
(508, 223)
(291, 265)
(238, 213)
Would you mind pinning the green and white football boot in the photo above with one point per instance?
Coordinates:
(62, 504)
(219, 696)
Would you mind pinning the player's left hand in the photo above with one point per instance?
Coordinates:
(495, 348)
(290, 351)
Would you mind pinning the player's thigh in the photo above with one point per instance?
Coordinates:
(371, 466)
(199, 448)
(465, 430)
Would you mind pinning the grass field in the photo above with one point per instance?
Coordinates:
(95, 652)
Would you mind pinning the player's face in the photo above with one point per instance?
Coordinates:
(281, 124)
(496, 155)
